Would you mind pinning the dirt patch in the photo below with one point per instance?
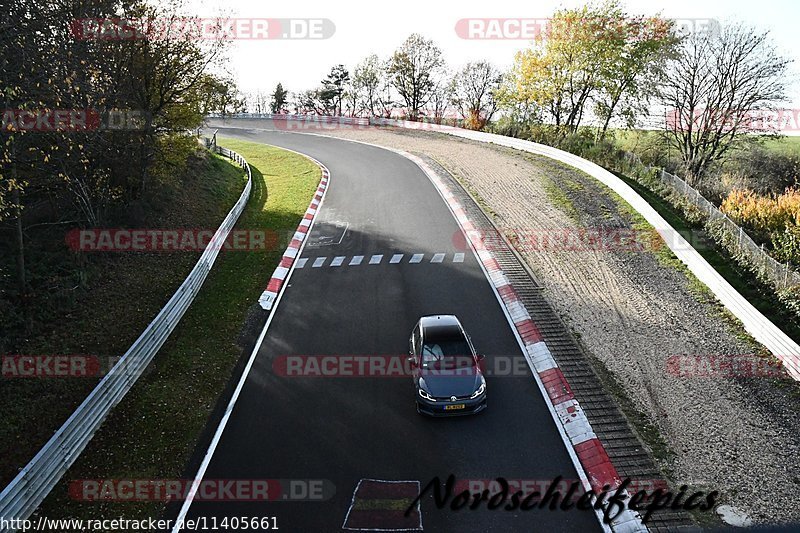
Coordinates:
(636, 312)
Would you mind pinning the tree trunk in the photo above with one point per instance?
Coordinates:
(21, 277)
(605, 127)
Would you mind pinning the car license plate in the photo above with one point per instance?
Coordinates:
(454, 407)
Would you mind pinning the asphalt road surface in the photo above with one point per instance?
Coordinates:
(347, 429)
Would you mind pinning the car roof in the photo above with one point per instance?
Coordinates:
(439, 320)
(441, 327)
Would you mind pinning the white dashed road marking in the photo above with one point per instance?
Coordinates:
(377, 259)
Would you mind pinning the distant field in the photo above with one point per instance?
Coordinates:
(628, 139)
(785, 144)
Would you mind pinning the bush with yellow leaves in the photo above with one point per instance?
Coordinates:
(773, 217)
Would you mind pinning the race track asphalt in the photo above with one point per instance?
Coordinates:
(345, 429)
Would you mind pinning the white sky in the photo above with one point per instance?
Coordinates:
(363, 28)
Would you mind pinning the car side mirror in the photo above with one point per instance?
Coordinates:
(481, 357)
(412, 361)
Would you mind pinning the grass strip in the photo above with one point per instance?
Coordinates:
(153, 432)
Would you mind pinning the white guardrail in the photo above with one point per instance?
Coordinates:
(755, 323)
(34, 482)
(299, 120)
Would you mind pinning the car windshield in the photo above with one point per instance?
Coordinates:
(447, 354)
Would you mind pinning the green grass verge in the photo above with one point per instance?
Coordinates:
(154, 430)
(107, 309)
(757, 293)
(558, 197)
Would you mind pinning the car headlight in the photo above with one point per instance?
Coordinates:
(426, 395)
(480, 390)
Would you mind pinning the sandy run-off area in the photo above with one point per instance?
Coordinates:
(638, 316)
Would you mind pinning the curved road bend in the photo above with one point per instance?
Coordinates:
(347, 429)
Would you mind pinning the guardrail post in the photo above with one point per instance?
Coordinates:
(35, 481)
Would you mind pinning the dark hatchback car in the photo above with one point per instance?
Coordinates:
(447, 372)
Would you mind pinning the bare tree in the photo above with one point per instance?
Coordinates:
(350, 98)
(368, 77)
(475, 88)
(413, 68)
(385, 99)
(713, 87)
(444, 90)
(257, 102)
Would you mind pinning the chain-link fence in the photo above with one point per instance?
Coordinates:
(725, 231)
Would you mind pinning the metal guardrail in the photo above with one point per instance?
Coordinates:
(34, 482)
(725, 231)
(302, 119)
(754, 322)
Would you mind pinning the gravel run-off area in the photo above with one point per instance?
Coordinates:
(633, 312)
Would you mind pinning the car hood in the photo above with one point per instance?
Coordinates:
(443, 384)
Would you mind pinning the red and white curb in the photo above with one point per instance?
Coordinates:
(273, 302)
(589, 456)
(292, 252)
(587, 447)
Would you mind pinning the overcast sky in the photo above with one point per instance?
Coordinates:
(363, 28)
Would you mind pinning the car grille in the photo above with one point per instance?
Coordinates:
(449, 398)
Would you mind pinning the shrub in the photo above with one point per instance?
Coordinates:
(763, 213)
(791, 299)
(474, 121)
(786, 244)
(762, 170)
(775, 219)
